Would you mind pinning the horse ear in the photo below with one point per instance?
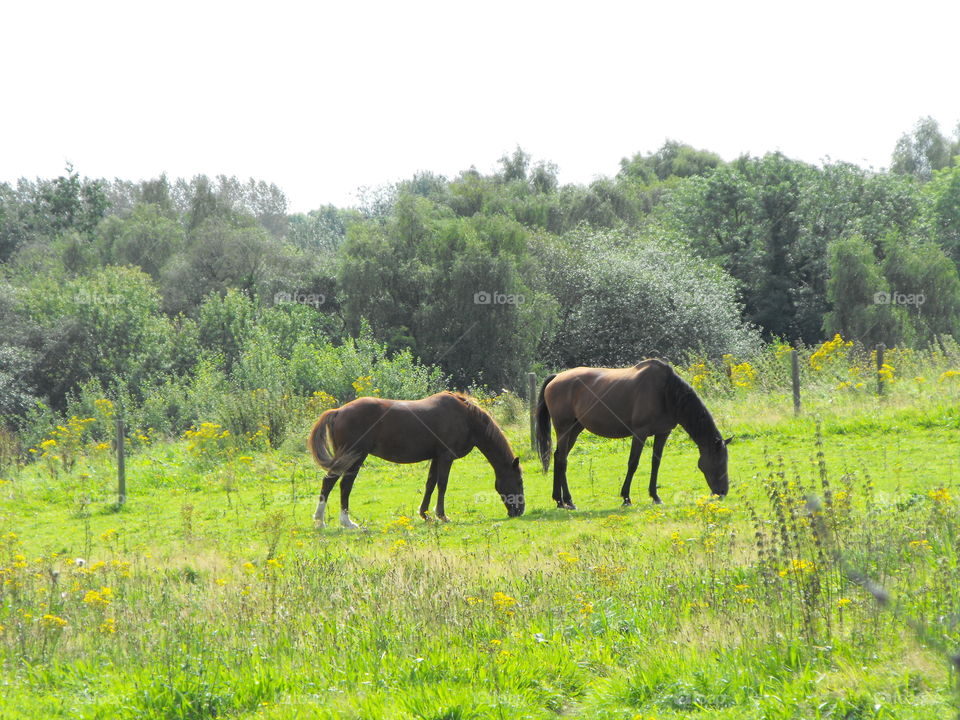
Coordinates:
(516, 463)
(727, 441)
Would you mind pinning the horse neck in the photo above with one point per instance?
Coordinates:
(700, 427)
(492, 443)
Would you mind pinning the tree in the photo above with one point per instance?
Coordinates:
(856, 290)
(922, 152)
(747, 215)
(223, 253)
(450, 289)
(921, 275)
(770, 221)
(514, 167)
(146, 238)
(105, 326)
(674, 159)
(944, 192)
(157, 192)
(622, 298)
(321, 230)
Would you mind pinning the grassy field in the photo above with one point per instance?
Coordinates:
(210, 594)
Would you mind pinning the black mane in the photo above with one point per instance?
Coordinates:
(689, 409)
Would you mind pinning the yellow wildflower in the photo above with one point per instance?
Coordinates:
(101, 597)
(940, 495)
(797, 567)
(504, 603)
(52, 622)
(401, 523)
(828, 350)
(743, 375)
(108, 535)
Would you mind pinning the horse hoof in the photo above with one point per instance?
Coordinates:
(319, 524)
(627, 502)
(443, 518)
(657, 501)
(425, 516)
(569, 506)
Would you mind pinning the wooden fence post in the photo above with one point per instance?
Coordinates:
(121, 467)
(795, 372)
(880, 348)
(532, 394)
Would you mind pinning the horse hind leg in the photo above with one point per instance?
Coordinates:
(346, 485)
(319, 517)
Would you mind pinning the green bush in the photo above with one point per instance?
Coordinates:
(624, 298)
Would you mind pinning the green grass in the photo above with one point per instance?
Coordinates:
(226, 602)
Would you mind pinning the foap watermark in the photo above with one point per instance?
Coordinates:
(301, 298)
(898, 298)
(497, 298)
(495, 498)
(84, 297)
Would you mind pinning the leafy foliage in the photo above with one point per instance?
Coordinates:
(169, 294)
(624, 298)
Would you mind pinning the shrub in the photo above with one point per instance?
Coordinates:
(624, 298)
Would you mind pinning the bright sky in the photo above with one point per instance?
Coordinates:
(325, 97)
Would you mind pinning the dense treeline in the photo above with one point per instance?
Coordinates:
(177, 297)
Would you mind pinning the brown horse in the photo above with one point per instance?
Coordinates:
(646, 399)
(440, 428)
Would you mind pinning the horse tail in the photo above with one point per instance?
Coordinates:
(320, 442)
(544, 439)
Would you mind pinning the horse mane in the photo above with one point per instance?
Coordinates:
(690, 411)
(488, 426)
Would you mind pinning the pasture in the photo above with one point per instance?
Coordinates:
(210, 593)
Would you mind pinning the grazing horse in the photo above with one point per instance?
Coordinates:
(440, 428)
(646, 399)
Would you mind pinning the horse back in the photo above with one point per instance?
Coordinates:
(404, 431)
(612, 402)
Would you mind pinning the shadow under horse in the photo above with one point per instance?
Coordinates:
(439, 428)
(646, 399)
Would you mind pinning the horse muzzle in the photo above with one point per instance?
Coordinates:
(515, 506)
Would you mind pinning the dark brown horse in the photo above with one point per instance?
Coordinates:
(646, 399)
(440, 428)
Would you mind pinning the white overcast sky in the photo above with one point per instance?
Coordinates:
(323, 98)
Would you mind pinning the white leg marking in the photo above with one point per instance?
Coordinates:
(346, 521)
(320, 514)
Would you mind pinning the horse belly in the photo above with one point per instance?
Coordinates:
(611, 427)
(404, 437)
(606, 419)
(403, 448)
(605, 409)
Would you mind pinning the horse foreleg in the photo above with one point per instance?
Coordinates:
(319, 517)
(443, 474)
(636, 447)
(658, 442)
(346, 485)
(431, 483)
